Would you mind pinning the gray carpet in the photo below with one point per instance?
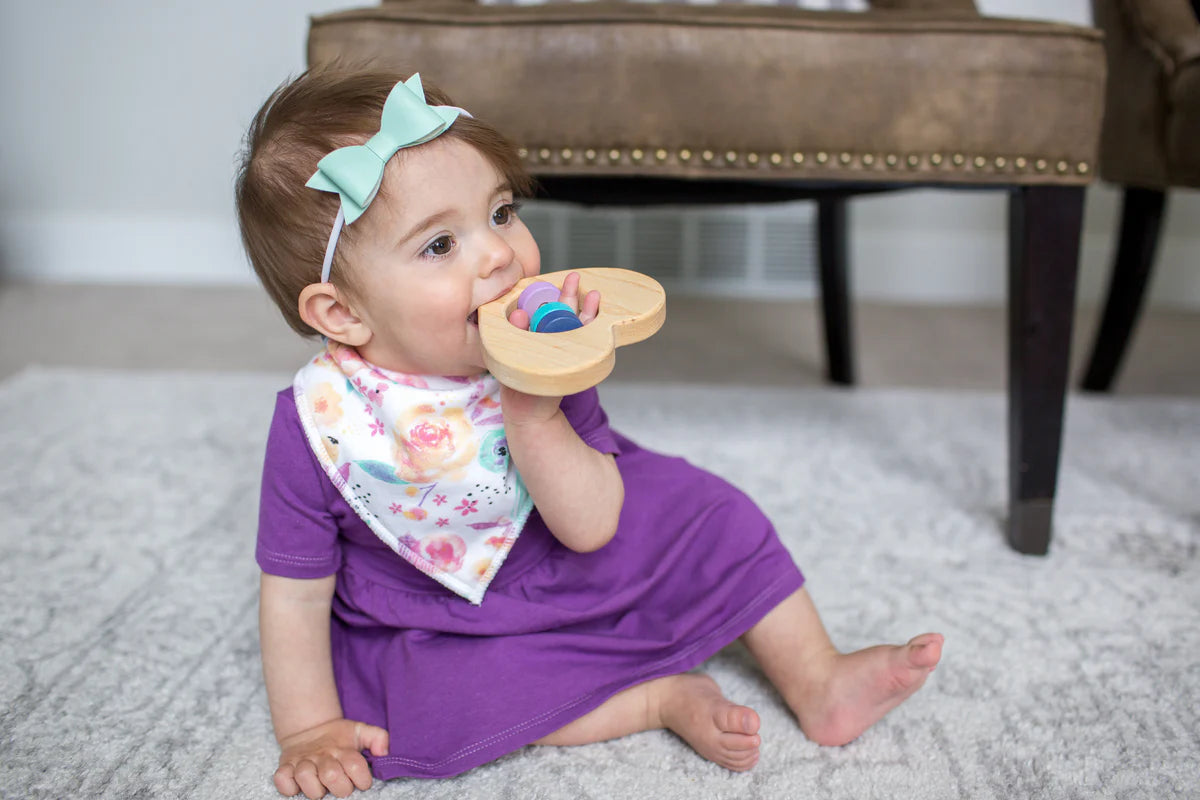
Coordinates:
(129, 657)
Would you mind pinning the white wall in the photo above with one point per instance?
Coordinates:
(121, 121)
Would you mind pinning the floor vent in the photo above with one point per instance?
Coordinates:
(753, 251)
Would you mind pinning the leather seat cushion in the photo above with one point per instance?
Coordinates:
(767, 93)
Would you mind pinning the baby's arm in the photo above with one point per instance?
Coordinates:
(319, 748)
(577, 490)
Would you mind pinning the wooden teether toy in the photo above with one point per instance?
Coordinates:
(558, 357)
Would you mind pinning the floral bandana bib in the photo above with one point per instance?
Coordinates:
(422, 460)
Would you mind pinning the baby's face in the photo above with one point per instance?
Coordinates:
(442, 239)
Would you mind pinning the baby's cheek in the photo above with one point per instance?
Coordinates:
(531, 259)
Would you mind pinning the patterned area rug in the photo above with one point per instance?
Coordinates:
(129, 654)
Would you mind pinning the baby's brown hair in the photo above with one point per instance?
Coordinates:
(285, 225)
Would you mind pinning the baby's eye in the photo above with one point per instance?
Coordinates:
(505, 214)
(439, 246)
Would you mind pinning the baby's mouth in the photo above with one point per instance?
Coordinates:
(473, 317)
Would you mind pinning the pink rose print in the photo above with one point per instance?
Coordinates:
(467, 507)
(432, 444)
(445, 550)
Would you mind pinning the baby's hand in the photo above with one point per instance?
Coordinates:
(523, 409)
(570, 296)
(327, 759)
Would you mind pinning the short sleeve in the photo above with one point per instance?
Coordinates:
(297, 532)
(587, 417)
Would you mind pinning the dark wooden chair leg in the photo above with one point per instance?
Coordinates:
(1141, 219)
(835, 289)
(1044, 227)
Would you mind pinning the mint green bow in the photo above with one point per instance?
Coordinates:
(356, 172)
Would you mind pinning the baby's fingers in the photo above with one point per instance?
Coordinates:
(307, 775)
(356, 769)
(371, 737)
(285, 780)
(590, 308)
(327, 775)
(520, 318)
(570, 291)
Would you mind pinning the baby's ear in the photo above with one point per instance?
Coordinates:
(326, 309)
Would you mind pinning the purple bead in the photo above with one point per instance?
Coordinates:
(536, 295)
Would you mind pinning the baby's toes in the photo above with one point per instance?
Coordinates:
(925, 651)
(736, 756)
(736, 719)
(738, 743)
(740, 762)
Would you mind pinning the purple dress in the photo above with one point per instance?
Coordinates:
(694, 565)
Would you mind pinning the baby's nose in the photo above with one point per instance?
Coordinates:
(498, 255)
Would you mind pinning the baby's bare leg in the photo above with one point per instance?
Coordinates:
(690, 705)
(836, 696)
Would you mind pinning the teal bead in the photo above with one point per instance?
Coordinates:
(535, 321)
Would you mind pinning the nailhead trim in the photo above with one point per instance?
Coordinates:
(799, 159)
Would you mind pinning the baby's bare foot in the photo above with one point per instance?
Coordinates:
(860, 688)
(725, 733)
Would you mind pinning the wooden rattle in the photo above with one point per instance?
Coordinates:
(571, 358)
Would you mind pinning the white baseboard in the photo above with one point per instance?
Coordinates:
(917, 265)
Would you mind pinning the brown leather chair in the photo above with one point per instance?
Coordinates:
(1150, 142)
(641, 103)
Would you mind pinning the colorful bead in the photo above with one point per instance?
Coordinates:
(558, 321)
(535, 322)
(536, 295)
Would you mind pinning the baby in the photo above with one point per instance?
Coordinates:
(454, 570)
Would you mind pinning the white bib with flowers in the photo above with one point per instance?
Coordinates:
(422, 460)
